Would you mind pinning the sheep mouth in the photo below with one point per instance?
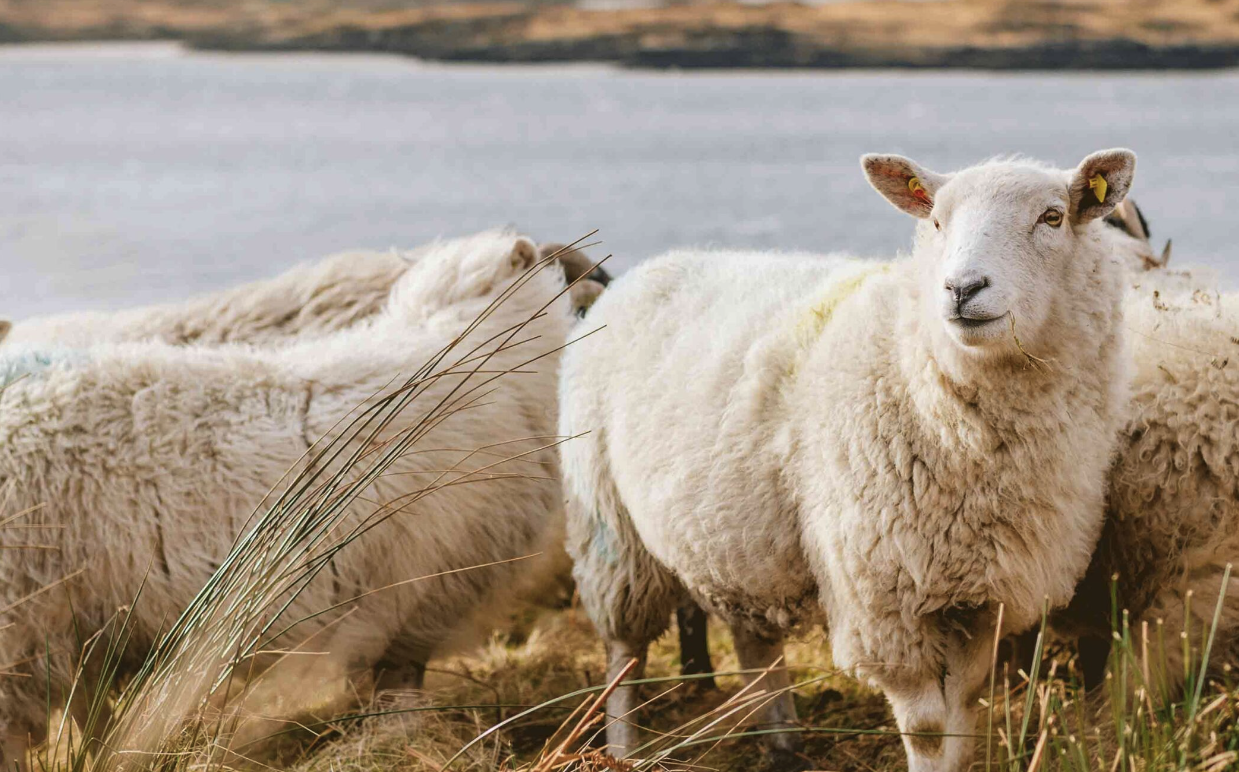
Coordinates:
(974, 322)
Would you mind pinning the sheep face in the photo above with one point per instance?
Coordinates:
(4, 329)
(999, 243)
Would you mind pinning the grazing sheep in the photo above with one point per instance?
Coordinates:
(1172, 524)
(137, 465)
(904, 447)
(312, 299)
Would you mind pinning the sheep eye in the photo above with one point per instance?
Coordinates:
(937, 224)
(1052, 218)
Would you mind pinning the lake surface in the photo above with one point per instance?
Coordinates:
(139, 173)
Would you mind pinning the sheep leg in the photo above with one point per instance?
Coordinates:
(622, 731)
(1017, 651)
(1094, 654)
(412, 675)
(693, 624)
(935, 706)
(760, 652)
(921, 714)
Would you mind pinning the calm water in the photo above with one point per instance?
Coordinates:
(139, 173)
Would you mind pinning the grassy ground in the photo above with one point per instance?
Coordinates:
(555, 652)
(512, 700)
(558, 653)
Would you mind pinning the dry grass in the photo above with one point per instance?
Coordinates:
(532, 663)
(1036, 720)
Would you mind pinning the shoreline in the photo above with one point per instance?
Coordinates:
(1101, 56)
(1106, 56)
(1040, 35)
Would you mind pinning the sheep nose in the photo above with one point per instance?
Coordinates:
(964, 289)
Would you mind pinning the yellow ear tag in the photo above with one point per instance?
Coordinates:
(1099, 186)
(918, 189)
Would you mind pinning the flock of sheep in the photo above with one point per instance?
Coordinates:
(918, 454)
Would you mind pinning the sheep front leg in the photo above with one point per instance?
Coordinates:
(936, 712)
(921, 713)
(622, 733)
(758, 652)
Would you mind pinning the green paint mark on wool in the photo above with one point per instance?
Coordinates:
(821, 312)
(815, 319)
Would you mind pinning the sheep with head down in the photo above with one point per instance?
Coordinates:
(904, 448)
(140, 463)
(315, 298)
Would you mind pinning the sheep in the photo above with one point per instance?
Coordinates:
(140, 463)
(311, 299)
(972, 396)
(1172, 524)
(1129, 239)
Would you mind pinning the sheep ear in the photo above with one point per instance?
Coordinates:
(4, 329)
(1100, 184)
(910, 187)
(1128, 218)
(524, 254)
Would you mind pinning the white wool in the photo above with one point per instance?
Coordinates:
(149, 458)
(903, 472)
(312, 299)
(1173, 520)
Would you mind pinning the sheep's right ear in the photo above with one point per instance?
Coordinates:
(910, 187)
(1100, 183)
(4, 329)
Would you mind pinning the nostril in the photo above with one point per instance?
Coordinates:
(972, 289)
(963, 290)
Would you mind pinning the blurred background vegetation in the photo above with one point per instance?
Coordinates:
(1041, 34)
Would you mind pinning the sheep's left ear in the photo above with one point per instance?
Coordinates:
(901, 181)
(4, 329)
(1100, 184)
(524, 254)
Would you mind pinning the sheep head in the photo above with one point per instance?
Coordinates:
(4, 329)
(1004, 244)
(1131, 237)
(586, 278)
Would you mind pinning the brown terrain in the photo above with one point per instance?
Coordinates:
(1036, 34)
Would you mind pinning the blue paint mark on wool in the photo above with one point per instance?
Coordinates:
(602, 543)
(30, 363)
